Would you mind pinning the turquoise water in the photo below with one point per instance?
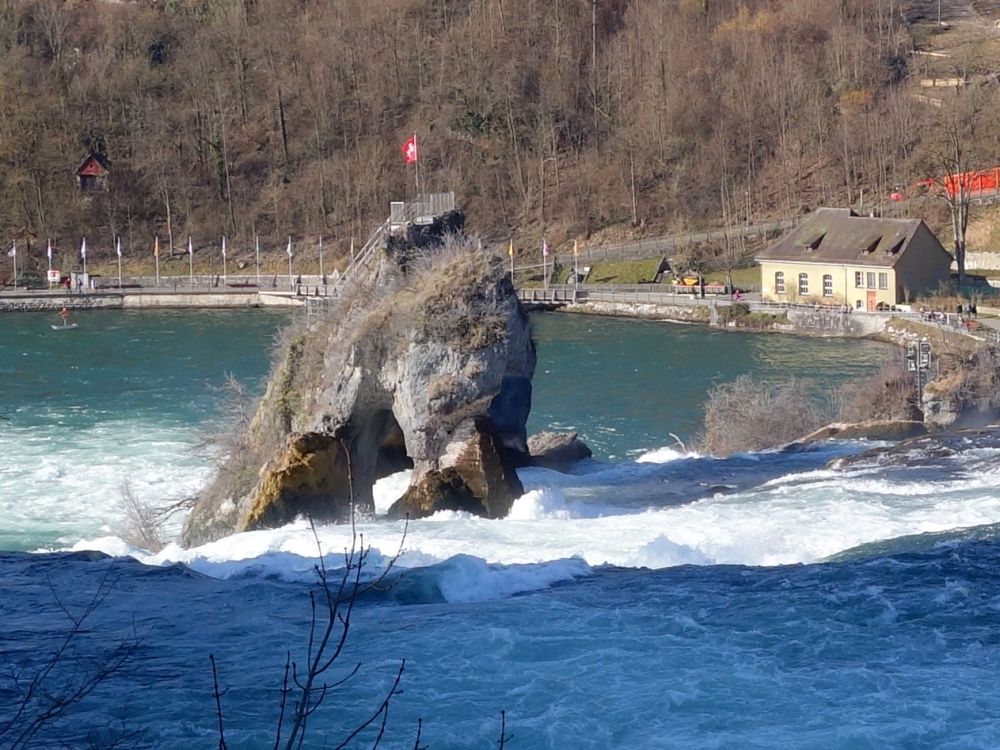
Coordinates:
(625, 385)
(126, 397)
(160, 365)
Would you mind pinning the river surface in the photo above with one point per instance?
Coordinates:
(654, 598)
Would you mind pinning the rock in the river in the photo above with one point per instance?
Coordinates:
(557, 450)
(895, 429)
(427, 365)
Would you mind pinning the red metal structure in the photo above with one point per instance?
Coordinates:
(977, 184)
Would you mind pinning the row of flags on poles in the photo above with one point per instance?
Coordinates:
(12, 251)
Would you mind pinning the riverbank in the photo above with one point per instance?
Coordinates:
(138, 299)
(754, 315)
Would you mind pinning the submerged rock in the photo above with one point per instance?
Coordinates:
(894, 429)
(557, 450)
(426, 366)
(936, 450)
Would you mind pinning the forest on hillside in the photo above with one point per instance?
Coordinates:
(568, 117)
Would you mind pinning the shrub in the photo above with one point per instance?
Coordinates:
(888, 394)
(747, 415)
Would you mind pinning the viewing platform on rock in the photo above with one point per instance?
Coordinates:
(423, 211)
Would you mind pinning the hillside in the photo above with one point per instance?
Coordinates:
(576, 119)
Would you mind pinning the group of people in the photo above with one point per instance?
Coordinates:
(967, 312)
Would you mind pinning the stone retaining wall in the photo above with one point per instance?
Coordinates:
(135, 299)
(48, 303)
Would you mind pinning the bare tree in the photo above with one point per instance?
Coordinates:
(954, 155)
(306, 685)
(43, 696)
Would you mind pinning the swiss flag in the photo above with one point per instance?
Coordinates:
(410, 150)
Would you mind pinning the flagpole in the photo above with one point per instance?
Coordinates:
(118, 249)
(156, 254)
(510, 252)
(321, 274)
(290, 284)
(416, 164)
(13, 254)
(48, 254)
(190, 263)
(83, 252)
(256, 250)
(545, 254)
(225, 276)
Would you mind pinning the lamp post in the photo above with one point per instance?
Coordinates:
(156, 256)
(322, 276)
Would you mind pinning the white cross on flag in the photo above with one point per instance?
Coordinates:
(410, 150)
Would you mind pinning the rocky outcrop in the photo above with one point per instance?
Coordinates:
(557, 450)
(876, 429)
(426, 366)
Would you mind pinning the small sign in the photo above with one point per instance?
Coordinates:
(54, 275)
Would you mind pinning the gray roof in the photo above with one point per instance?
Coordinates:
(838, 235)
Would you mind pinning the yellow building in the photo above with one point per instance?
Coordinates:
(836, 257)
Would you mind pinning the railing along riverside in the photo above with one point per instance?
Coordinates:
(653, 246)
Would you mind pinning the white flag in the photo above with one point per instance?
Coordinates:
(223, 247)
(545, 249)
(48, 250)
(118, 246)
(289, 250)
(190, 247)
(83, 248)
(12, 253)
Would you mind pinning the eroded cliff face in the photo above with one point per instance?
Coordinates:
(428, 366)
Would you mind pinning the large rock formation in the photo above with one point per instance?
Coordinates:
(428, 366)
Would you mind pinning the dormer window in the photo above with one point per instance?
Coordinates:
(895, 248)
(871, 246)
(813, 244)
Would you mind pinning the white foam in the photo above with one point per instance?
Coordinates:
(470, 579)
(664, 455)
(389, 489)
(539, 504)
(70, 487)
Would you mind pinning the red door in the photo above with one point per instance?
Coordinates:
(871, 302)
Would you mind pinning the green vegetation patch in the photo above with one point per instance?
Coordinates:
(739, 315)
(625, 272)
(743, 278)
(561, 274)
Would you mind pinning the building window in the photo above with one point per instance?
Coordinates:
(803, 283)
(871, 279)
(779, 282)
(827, 285)
(883, 281)
(859, 280)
